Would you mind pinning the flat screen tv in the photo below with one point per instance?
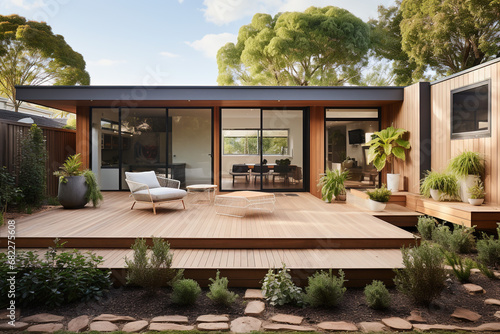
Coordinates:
(356, 136)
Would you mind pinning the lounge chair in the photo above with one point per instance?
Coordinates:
(150, 188)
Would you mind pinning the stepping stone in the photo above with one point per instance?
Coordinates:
(497, 314)
(245, 325)
(18, 326)
(415, 316)
(397, 323)
(489, 327)
(287, 319)
(212, 318)
(255, 308)
(135, 326)
(103, 326)
(475, 271)
(491, 301)
(254, 294)
(165, 326)
(78, 324)
(497, 274)
(337, 326)
(372, 326)
(473, 288)
(171, 318)
(43, 318)
(426, 327)
(113, 318)
(285, 327)
(462, 313)
(5, 314)
(213, 326)
(45, 328)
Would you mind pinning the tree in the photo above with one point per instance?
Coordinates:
(321, 46)
(450, 35)
(31, 54)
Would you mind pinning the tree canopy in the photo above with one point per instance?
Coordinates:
(321, 46)
(31, 54)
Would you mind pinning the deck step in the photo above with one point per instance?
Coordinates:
(247, 267)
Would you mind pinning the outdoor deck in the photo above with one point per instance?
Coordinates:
(303, 232)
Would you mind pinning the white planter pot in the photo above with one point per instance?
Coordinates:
(393, 182)
(465, 183)
(435, 194)
(476, 201)
(376, 206)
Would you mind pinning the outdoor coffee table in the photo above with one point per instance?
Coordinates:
(209, 189)
(236, 204)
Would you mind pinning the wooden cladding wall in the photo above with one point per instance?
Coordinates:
(443, 148)
(83, 134)
(317, 148)
(60, 143)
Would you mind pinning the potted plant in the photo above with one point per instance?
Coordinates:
(476, 193)
(385, 146)
(76, 186)
(469, 167)
(439, 186)
(378, 198)
(332, 184)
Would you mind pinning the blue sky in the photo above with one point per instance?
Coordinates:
(159, 42)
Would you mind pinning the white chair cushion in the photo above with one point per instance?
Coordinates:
(159, 194)
(148, 178)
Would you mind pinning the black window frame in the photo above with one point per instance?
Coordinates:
(476, 133)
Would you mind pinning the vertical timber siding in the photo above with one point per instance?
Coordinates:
(317, 148)
(82, 134)
(443, 148)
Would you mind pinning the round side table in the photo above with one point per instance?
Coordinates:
(209, 189)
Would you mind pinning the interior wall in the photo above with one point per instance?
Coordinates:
(444, 148)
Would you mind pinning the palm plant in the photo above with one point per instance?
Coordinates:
(332, 183)
(386, 145)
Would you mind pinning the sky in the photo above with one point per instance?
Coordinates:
(159, 42)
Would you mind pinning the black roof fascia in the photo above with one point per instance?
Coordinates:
(207, 93)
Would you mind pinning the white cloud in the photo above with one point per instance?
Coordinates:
(211, 43)
(27, 4)
(169, 54)
(181, 1)
(107, 62)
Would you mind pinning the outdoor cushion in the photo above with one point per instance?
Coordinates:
(148, 178)
(159, 194)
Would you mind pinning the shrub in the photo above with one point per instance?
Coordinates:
(381, 194)
(185, 292)
(9, 193)
(324, 289)
(461, 240)
(219, 292)
(377, 295)
(467, 163)
(444, 182)
(486, 271)
(461, 267)
(279, 289)
(423, 276)
(151, 270)
(488, 249)
(426, 226)
(57, 278)
(32, 174)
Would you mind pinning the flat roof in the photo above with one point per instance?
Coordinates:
(69, 97)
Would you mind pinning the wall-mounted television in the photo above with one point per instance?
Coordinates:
(356, 137)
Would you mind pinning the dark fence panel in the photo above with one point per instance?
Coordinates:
(60, 143)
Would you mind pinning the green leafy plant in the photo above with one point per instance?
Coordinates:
(488, 249)
(332, 183)
(426, 226)
(325, 289)
(444, 182)
(381, 194)
(32, 172)
(56, 278)
(477, 190)
(9, 193)
(460, 240)
(467, 163)
(387, 145)
(486, 271)
(423, 276)
(461, 267)
(152, 269)
(93, 192)
(279, 289)
(377, 296)
(185, 292)
(283, 162)
(219, 292)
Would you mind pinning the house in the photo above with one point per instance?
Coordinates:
(199, 134)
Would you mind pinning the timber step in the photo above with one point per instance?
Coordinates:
(247, 267)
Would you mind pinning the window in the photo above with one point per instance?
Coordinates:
(471, 112)
(246, 142)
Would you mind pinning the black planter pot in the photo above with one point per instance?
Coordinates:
(71, 194)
